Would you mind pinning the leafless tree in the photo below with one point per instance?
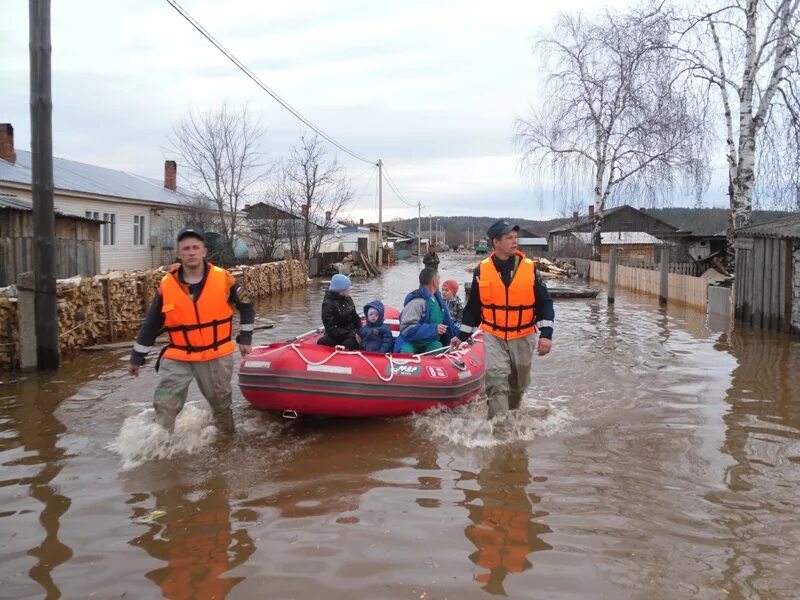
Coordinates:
(746, 51)
(197, 211)
(219, 153)
(314, 188)
(613, 113)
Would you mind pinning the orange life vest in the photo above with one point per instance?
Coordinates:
(508, 312)
(199, 330)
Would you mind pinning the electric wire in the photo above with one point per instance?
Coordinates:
(242, 67)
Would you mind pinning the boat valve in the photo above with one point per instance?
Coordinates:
(289, 414)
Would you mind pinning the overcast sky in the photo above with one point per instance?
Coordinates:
(431, 88)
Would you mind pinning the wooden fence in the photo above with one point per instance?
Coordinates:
(679, 268)
(764, 282)
(683, 289)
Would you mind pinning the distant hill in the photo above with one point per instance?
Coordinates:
(456, 228)
(701, 221)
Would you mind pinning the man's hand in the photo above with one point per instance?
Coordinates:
(455, 342)
(245, 349)
(133, 370)
(441, 328)
(544, 345)
(358, 339)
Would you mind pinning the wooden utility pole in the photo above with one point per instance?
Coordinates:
(380, 214)
(45, 306)
(419, 232)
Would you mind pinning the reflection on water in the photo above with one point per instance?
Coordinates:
(504, 527)
(654, 457)
(195, 538)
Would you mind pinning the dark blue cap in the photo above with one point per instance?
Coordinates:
(500, 228)
(192, 232)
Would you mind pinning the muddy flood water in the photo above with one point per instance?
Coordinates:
(657, 456)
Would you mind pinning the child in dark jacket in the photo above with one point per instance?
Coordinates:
(375, 335)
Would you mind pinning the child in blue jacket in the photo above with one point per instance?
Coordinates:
(375, 335)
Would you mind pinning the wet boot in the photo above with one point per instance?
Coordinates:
(166, 421)
(224, 421)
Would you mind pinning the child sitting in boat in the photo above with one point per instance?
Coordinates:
(339, 316)
(450, 295)
(375, 335)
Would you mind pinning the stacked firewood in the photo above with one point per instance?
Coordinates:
(81, 312)
(111, 307)
(9, 339)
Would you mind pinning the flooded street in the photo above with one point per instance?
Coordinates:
(656, 457)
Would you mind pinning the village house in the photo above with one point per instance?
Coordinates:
(530, 243)
(140, 216)
(637, 234)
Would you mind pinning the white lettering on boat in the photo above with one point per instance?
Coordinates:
(330, 369)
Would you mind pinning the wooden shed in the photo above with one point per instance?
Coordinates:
(767, 283)
(77, 242)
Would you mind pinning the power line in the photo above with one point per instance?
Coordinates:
(393, 187)
(242, 67)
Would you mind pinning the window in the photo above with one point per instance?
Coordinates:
(167, 233)
(109, 229)
(92, 215)
(138, 230)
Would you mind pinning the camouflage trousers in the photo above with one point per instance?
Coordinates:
(508, 371)
(214, 380)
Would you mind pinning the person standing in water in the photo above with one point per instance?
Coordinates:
(193, 306)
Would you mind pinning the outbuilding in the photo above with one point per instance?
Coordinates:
(767, 282)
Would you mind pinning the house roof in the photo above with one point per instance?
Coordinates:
(786, 227)
(621, 238)
(585, 220)
(15, 202)
(532, 241)
(73, 176)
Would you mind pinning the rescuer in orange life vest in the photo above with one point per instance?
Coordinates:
(193, 306)
(509, 301)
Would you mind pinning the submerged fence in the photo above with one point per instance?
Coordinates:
(682, 289)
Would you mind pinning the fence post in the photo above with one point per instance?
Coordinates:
(663, 288)
(612, 275)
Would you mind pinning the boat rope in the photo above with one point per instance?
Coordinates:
(451, 353)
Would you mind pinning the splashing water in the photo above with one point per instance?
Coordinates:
(141, 439)
(468, 426)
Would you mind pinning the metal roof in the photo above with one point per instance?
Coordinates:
(14, 202)
(621, 238)
(786, 227)
(73, 176)
(532, 241)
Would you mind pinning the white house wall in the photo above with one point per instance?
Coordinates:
(123, 255)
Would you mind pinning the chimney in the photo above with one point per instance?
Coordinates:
(361, 221)
(641, 209)
(7, 143)
(304, 210)
(327, 216)
(575, 215)
(171, 175)
(591, 211)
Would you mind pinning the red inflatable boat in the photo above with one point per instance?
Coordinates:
(301, 377)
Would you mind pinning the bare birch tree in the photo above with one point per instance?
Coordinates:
(612, 110)
(219, 152)
(314, 187)
(746, 50)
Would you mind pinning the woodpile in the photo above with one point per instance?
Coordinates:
(111, 307)
(9, 338)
